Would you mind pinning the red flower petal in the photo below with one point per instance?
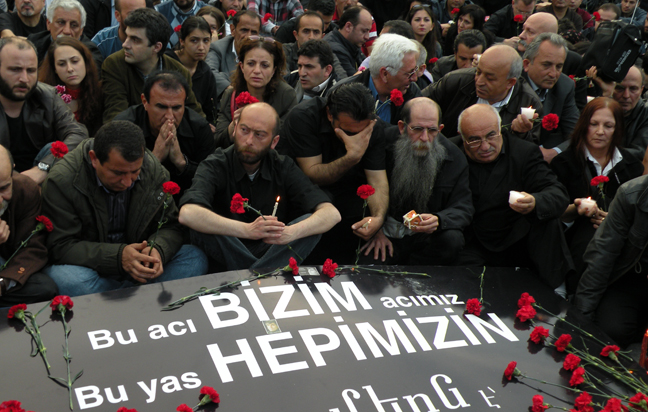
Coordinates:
(329, 268)
(364, 191)
(473, 306)
(46, 222)
(59, 149)
(171, 188)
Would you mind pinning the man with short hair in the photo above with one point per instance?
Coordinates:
(222, 58)
(176, 12)
(280, 10)
(32, 114)
(561, 10)
(178, 136)
(353, 32)
(495, 81)
(503, 22)
(466, 45)
(325, 9)
(631, 13)
(22, 280)
(526, 232)
(110, 39)
(314, 75)
(543, 62)
(124, 72)
(635, 110)
(105, 199)
(26, 20)
(443, 10)
(429, 175)
(241, 239)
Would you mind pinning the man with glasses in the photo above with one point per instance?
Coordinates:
(505, 231)
(503, 25)
(428, 174)
(392, 67)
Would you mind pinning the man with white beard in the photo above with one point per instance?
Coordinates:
(427, 174)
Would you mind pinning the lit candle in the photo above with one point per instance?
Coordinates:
(274, 211)
(589, 205)
(366, 224)
(514, 196)
(528, 112)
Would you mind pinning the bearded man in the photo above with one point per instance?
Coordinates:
(429, 175)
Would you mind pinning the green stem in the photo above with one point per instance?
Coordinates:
(159, 225)
(295, 252)
(67, 358)
(253, 209)
(35, 333)
(481, 286)
(364, 210)
(39, 227)
(356, 267)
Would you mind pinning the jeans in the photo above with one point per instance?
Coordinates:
(80, 280)
(231, 252)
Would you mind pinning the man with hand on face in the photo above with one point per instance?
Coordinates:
(178, 136)
(105, 200)
(236, 237)
(26, 20)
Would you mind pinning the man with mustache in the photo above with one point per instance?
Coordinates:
(26, 20)
(561, 10)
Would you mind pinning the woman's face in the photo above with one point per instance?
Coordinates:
(258, 68)
(465, 22)
(601, 129)
(213, 26)
(421, 23)
(196, 44)
(69, 66)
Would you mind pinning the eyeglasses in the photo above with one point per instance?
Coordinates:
(418, 130)
(265, 39)
(412, 73)
(475, 142)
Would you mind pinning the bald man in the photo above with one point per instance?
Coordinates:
(635, 111)
(495, 81)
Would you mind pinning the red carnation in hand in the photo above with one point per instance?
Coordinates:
(538, 404)
(177, 28)
(245, 98)
(571, 362)
(210, 395)
(59, 149)
(396, 96)
(329, 268)
(17, 311)
(238, 204)
(525, 300)
(455, 11)
(266, 18)
(62, 300)
(171, 188)
(511, 370)
(230, 13)
(583, 402)
(550, 121)
(597, 16)
(562, 342)
(364, 191)
(473, 306)
(525, 313)
(47, 224)
(184, 407)
(599, 180)
(577, 377)
(614, 405)
(639, 401)
(433, 60)
(518, 18)
(292, 263)
(538, 334)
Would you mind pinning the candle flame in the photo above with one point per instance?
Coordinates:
(589, 198)
(530, 107)
(278, 197)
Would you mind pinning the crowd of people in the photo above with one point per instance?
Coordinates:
(483, 140)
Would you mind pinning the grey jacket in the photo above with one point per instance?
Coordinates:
(222, 61)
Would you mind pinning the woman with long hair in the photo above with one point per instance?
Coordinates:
(216, 20)
(260, 73)
(69, 65)
(424, 23)
(595, 150)
(470, 16)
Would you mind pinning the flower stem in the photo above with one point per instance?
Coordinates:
(253, 209)
(35, 333)
(364, 210)
(66, 356)
(159, 225)
(38, 228)
(356, 267)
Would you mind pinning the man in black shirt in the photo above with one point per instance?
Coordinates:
(325, 8)
(26, 20)
(238, 238)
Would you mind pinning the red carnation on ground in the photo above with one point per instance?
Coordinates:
(292, 263)
(59, 149)
(238, 204)
(550, 121)
(47, 224)
(230, 13)
(538, 334)
(63, 300)
(210, 395)
(538, 404)
(610, 351)
(433, 60)
(563, 342)
(614, 405)
(511, 370)
(518, 18)
(599, 180)
(583, 402)
(266, 18)
(364, 191)
(525, 300)
(597, 16)
(578, 377)
(525, 313)
(184, 408)
(329, 268)
(177, 28)
(124, 409)
(17, 311)
(571, 362)
(245, 98)
(455, 11)
(639, 401)
(11, 406)
(396, 97)
(473, 306)
(171, 188)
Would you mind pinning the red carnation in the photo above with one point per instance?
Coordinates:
(518, 18)
(171, 188)
(610, 351)
(266, 18)
(62, 300)
(550, 121)
(245, 98)
(639, 401)
(329, 268)
(597, 16)
(238, 204)
(614, 405)
(17, 311)
(455, 11)
(599, 180)
(511, 370)
(364, 191)
(562, 342)
(571, 362)
(230, 13)
(583, 402)
(577, 377)
(292, 263)
(60, 89)
(538, 334)
(184, 407)
(210, 395)
(177, 28)
(473, 306)
(59, 149)
(433, 60)
(124, 409)
(47, 224)
(571, 76)
(525, 300)
(525, 313)
(396, 97)
(538, 404)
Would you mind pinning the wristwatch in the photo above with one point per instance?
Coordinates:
(44, 167)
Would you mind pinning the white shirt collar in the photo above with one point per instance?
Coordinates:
(616, 158)
(499, 104)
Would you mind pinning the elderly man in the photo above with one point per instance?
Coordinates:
(241, 239)
(178, 136)
(346, 42)
(21, 281)
(543, 63)
(635, 110)
(503, 25)
(392, 67)
(32, 114)
(110, 39)
(496, 81)
(314, 75)
(104, 199)
(427, 174)
(177, 11)
(64, 18)
(26, 20)
(521, 232)
(466, 45)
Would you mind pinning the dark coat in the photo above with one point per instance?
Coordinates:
(571, 15)
(43, 40)
(443, 66)
(98, 14)
(349, 54)
(222, 62)
(636, 130)
(502, 25)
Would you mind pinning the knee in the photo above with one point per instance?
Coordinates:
(73, 280)
(194, 258)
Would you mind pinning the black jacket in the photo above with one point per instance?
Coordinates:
(636, 130)
(43, 40)
(99, 16)
(349, 54)
(443, 66)
(502, 25)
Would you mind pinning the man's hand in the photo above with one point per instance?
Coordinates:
(356, 145)
(380, 244)
(35, 174)
(524, 205)
(175, 154)
(4, 231)
(598, 218)
(270, 228)
(286, 236)
(367, 227)
(164, 140)
(428, 224)
(607, 88)
(587, 211)
(521, 124)
(548, 154)
(136, 263)
(444, 29)
(513, 42)
(235, 118)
